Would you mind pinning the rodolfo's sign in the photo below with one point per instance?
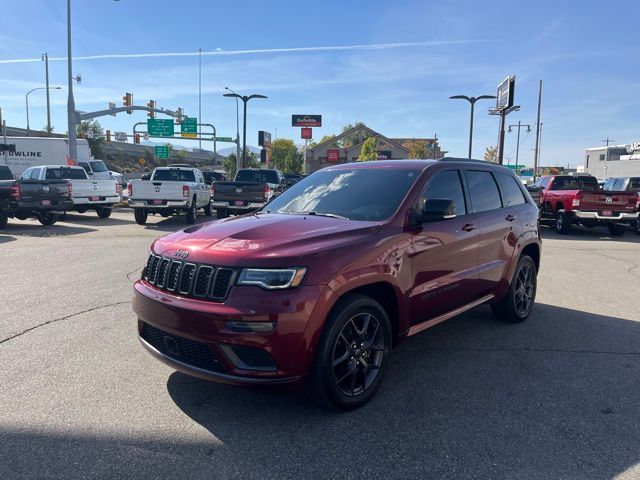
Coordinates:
(306, 120)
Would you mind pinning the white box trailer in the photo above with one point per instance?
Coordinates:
(40, 151)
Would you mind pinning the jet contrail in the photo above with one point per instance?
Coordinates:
(375, 46)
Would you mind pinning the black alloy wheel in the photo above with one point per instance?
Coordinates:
(357, 354)
(516, 306)
(192, 213)
(523, 293)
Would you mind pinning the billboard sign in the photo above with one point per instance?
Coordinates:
(306, 133)
(306, 120)
(333, 155)
(506, 91)
(264, 139)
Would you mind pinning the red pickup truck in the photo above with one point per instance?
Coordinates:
(578, 199)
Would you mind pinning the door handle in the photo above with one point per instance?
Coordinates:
(468, 227)
(510, 218)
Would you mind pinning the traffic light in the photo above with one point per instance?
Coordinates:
(151, 104)
(108, 133)
(127, 101)
(136, 138)
(179, 115)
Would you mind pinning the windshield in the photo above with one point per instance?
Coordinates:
(98, 166)
(65, 173)
(174, 175)
(358, 194)
(265, 176)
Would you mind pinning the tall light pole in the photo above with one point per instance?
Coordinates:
(472, 101)
(237, 130)
(245, 99)
(71, 104)
(519, 125)
(26, 101)
(200, 99)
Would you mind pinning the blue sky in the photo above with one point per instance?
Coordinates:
(587, 54)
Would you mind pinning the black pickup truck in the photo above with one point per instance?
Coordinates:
(251, 190)
(625, 184)
(25, 198)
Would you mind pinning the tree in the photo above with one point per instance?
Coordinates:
(285, 156)
(491, 154)
(94, 134)
(418, 149)
(368, 151)
(354, 138)
(229, 163)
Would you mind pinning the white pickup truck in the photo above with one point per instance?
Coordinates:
(170, 190)
(87, 194)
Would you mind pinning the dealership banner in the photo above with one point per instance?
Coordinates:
(306, 120)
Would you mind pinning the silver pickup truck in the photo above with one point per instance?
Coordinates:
(170, 191)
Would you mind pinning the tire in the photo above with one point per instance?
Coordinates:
(616, 230)
(207, 210)
(140, 215)
(47, 219)
(4, 219)
(81, 209)
(563, 223)
(192, 213)
(345, 375)
(518, 303)
(222, 213)
(103, 212)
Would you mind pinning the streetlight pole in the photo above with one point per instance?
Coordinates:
(71, 104)
(45, 57)
(237, 130)
(519, 125)
(26, 101)
(472, 101)
(245, 99)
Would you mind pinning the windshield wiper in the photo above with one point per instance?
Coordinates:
(317, 214)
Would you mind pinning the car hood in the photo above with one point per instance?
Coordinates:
(264, 240)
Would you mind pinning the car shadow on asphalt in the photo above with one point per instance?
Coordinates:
(7, 238)
(554, 397)
(22, 229)
(589, 234)
(173, 223)
(91, 218)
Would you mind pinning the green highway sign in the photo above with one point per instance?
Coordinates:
(225, 139)
(162, 151)
(160, 127)
(189, 127)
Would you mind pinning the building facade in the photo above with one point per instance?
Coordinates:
(347, 147)
(613, 161)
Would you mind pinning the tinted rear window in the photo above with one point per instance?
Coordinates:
(63, 173)
(174, 176)
(264, 176)
(483, 190)
(511, 192)
(5, 173)
(575, 183)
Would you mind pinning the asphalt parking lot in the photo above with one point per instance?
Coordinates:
(556, 397)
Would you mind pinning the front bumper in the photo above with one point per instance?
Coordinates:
(181, 326)
(167, 204)
(617, 216)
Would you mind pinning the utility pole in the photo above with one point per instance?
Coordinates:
(607, 141)
(519, 125)
(45, 57)
(199, 97)
(536, 152)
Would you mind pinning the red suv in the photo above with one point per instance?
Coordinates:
(316, 288)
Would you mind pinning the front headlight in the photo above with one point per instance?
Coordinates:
(272, 279)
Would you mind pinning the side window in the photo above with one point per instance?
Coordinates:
(619, 184)
(608, 185)
(26, 174)
(483, 190)
(545, 182)
(85, 166)
(446, 185)
(35, 174)
(511, 193)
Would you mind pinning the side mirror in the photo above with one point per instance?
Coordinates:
(436, 210)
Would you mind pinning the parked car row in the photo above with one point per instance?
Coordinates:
(579, 200)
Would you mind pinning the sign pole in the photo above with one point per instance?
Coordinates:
(536, 152)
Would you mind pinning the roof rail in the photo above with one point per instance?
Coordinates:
(470, 160)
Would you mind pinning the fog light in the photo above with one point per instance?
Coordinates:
(251, 327)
